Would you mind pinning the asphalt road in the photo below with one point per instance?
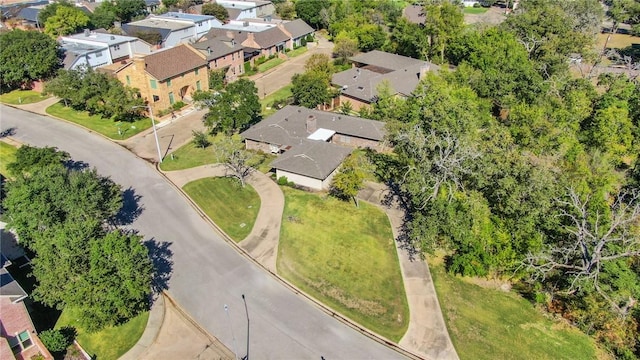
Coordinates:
(207, 273)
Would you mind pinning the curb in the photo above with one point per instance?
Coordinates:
(151, 330)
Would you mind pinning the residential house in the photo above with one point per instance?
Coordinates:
(223, 53)
(18, 337)
(248, 9)
(164, 77)
(359, 85)
(172, 28)
(96, 49)
(297, 31)
(257, 39)
(312, 143)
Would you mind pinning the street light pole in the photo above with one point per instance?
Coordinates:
(233, 337)
(246, 311)
(153, 125)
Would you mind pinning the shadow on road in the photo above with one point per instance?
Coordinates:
(131, 208)
(161, 257)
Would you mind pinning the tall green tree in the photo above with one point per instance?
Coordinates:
(443, 23)
(66, 20)
(26, 56)
(233, 109)
(217, 10)
(50, 10)
(309, 11)
(310, 89)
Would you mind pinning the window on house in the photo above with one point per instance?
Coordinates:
(240, 69)
(156, 98)
(197, 72)
(198, 85)
(99, 54)
(169, 82)
(171, 99)
(215, 63)
(116, 47)
(128, 80)
(154, 84)
(20, 342)
(233, 56)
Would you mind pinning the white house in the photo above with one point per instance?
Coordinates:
(120, 47)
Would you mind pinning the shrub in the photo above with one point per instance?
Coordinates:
(303, 42)
(282, 180)
(55, 340)
(200, 139)
(178, 105)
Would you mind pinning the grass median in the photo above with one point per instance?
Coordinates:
(487, 323)
(346, 258)
(107, 127)
(109, 343)
(232, 207)
(22, 97)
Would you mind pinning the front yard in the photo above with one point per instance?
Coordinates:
(22, 97)
(346, 258)
(233, 208)
(7, 156)
(107, 127)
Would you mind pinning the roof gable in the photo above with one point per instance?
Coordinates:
(312, 158)
(298, 28)
(174, 61)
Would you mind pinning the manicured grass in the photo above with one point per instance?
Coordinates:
(269, 64)
(22, 97)
(7, 156)
(232, 207)
(618, 41)
(111, 342)
(299, 51)
(475, 10)
(106, 127)
(189, 156)
(281, 94)
(492, 324)
(346, 258)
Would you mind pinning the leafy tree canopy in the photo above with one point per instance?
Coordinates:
(217, 10)
(233, 109)
(66, 20)
(309, 11)
(27, 56)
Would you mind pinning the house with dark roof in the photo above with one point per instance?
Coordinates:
(223, 53)
(18, 336)
(359, 85)
(257, 39)
(298, 30)
(172, 28)
(311, 143)
(164, 77)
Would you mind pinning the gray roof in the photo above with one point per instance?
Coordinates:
(298, 28)
(265, 39)
(415, 14)
(217, 47)
(29, 14)
(385, 60)
(288, 126)
(133, 29)
(8, 286)
(312, 158)
(97, 36)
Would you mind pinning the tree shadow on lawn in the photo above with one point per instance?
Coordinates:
(131, 208)
(161, 257)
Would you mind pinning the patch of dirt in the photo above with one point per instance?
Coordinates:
(495, 15)
(495, 284)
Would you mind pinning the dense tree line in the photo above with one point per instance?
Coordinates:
(520, 169)
(67, 218)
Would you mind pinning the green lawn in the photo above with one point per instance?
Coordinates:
(106, 127)
(7, 156)
(233, 208)
(269, 64)
(491, 324)
(282, 94)
(189, 156)
(21, 97)
(346, 258)
(297, 52)
(475, 10)
(110, 343)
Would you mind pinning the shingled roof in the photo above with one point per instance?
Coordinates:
(312, 158)
(288, 126)
(174, 61)
(298, 28)
(217, 47)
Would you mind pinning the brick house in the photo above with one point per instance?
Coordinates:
(164, 77)
(18, 337)
(223, 53)
(257, 39)
(313, 143)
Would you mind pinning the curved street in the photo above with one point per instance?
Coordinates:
(205, 272)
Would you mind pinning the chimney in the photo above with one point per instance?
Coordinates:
(245, 24)
(209, 50)
(312, 124)
(117, 24)
(139, 63)
(87, 32)
(112, 37)
(229, 34)
(424, 69)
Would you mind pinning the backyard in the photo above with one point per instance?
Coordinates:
(107, 127)
(232, 207)
(488, 323)
(346, 258)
